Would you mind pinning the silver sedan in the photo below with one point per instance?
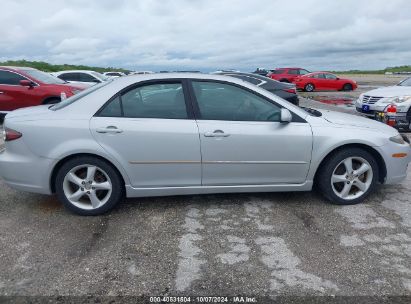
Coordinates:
(174, 134)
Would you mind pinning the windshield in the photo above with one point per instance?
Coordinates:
(405, 82)
(78, 96)
(43, 77)
(100, 76)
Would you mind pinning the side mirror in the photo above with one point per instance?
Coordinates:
(338, 78)
(286, 116)
(96, 80)
(26, 83)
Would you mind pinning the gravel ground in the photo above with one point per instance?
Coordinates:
(260, 245)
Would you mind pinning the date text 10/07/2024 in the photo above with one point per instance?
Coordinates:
(203, 299)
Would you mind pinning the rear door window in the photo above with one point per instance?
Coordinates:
(159, 100)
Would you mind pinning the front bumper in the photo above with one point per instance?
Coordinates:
(396, 167)
(400, 120)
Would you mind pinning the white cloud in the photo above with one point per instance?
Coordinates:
(207, 34)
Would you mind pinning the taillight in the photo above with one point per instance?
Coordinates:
(291, 91)
(10, 134)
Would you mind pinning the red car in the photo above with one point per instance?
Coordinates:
(24, 87)
(324, 81)
(287, 74)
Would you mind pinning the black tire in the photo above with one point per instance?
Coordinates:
(323, 178)
(53, 100)
(309, 87)
(347, 87)
(2, 116)
(117, 192)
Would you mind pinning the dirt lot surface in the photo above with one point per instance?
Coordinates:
(260, 245)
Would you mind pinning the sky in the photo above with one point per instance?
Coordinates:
(209, 35)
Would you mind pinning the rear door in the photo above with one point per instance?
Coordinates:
(150, 130)
(320, 82)
(242, 140)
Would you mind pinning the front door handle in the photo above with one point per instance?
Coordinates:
(109, 129)
(1, 92)
(216, 133)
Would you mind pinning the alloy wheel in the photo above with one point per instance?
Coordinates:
(352, 178)
(87, 187)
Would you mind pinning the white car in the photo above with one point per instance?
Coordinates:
(81, 76)
(114, 74)
(175, 134)
(374, 103)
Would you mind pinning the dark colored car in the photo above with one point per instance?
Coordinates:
(25, 87)
(261, 71)
(286, 91)
(287, 74)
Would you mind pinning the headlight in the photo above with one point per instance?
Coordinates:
(398, 139)
(396, 99)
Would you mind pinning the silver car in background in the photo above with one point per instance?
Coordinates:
(174, 134)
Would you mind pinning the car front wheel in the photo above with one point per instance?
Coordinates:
(347, 87)
(88, 185)
(348, 176)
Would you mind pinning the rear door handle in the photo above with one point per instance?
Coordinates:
(216, 133)
(109, 129)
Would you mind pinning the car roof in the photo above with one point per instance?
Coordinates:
(11, 68)
(76, 71)
(290, 69)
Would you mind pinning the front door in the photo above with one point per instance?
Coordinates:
(12, 94)
(242, 140)
(148, 130)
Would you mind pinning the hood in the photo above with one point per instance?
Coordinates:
(350, 120)
(390, 91)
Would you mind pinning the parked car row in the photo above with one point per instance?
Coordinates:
(307, 81)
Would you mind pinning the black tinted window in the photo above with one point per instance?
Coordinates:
(330, 76)
(219, 101)
(155, 101)
(113, 109)
(277, 72)
(87, 78)
(10, 78)
(69, 76)
(303, 72)
(293, 72)
(247, 78)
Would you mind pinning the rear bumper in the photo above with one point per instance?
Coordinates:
(26, 173)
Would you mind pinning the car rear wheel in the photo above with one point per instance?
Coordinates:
(348, 176)
(89, 186)
(309, 87)
(347, 87)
